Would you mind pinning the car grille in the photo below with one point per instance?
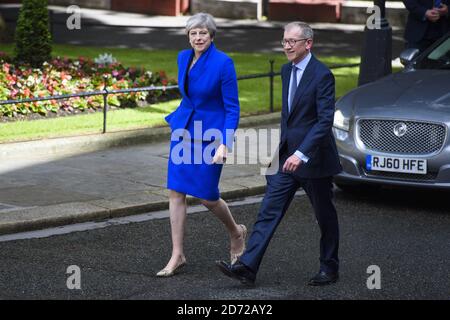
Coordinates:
(420, 137)
(431, 176)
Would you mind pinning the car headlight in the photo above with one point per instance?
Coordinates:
(341, 126)
(341, 122)
(340, 134)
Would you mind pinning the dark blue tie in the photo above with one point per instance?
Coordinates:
(293, 87)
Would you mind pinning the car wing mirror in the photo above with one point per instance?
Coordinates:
(408, 55)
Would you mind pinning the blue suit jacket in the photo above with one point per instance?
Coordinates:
(416, 26)
(213, 95)
(307, 127)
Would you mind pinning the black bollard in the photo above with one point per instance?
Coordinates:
(376, 55)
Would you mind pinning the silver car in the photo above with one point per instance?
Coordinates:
(396, 131)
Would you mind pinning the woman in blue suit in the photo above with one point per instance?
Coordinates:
(202, 132)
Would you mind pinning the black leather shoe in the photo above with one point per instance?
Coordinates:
(237, 271)
(323, 278)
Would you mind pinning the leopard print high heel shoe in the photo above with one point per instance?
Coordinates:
(171, 272)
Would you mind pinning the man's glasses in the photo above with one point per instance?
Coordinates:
(291, 42)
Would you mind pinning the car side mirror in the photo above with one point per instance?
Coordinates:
(408, 55)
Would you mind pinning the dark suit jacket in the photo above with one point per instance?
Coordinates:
(416, 26)
(307, 127)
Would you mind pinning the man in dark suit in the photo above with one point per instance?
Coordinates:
(308, 159)
(428, 20)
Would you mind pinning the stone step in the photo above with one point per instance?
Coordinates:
(343, 11)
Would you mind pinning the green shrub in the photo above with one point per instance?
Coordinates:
(33, 39)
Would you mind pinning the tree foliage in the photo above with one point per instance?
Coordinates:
(33, 38)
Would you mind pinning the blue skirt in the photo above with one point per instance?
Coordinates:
(191, 171)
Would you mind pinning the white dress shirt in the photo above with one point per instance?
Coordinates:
(300, 69)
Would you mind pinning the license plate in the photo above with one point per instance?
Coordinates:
(394, 164)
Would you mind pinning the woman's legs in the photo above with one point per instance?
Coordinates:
(177, 209)
(237, 233)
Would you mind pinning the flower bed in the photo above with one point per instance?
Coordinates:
(68, 76)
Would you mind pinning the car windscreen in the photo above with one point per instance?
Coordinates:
(439, 58)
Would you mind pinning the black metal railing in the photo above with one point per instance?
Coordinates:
(271, 74)
(105, 92)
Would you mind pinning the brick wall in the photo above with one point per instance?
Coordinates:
(305, 10)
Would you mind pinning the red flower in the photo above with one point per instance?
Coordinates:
(6, 67)
(26, 92)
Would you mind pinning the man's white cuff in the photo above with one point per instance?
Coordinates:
(301, 156)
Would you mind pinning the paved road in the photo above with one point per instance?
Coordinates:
(116, 29)
(405, 233)
(264, 40)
